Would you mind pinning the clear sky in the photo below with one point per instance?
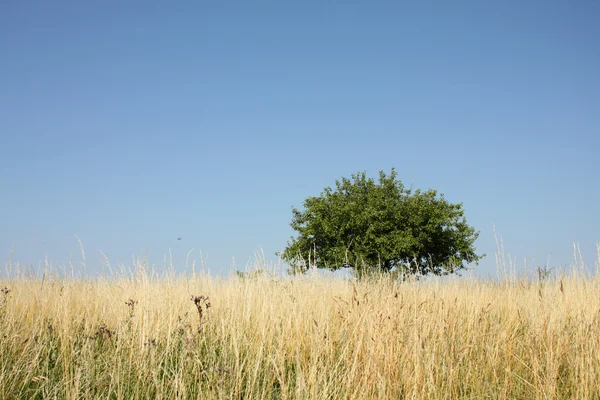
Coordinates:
(133, 123)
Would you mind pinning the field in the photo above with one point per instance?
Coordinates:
(144, 336)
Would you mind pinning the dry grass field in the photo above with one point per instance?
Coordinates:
(141, 336)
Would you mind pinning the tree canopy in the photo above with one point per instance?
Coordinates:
(382, 227)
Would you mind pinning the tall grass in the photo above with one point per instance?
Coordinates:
(142, 336)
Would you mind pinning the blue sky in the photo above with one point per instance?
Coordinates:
(131, 124)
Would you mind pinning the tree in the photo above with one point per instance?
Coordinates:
(381, 227)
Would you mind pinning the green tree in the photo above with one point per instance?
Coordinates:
(380, 227)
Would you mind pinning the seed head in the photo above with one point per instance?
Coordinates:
(131, 303)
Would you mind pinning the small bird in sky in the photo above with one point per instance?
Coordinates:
(178, 238)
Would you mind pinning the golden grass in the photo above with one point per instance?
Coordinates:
(302, 338)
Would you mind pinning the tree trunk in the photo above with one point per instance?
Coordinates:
(387, 265)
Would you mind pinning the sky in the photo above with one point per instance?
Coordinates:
(131, 124)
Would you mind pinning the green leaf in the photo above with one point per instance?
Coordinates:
(381, 227)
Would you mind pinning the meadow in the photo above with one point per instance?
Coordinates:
(143, 335)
